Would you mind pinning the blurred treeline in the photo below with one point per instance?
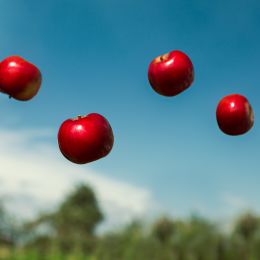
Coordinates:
(70, 233)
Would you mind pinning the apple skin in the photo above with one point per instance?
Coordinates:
(19, 78)
(85, 138)
(171, 73)
(235, 115)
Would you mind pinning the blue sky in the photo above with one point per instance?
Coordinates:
(94, 57)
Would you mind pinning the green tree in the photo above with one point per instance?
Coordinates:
(72, 225)
(163, 229)
(245, 235)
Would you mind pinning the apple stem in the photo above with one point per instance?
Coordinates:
(161, 58)
(77, 117)
(10, 97)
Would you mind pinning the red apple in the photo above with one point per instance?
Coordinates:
(19, 78)
(171, 73)
(235, 115)
(85, 138)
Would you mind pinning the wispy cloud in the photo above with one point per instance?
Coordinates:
(232, 205)
(235, 202)
(34, 176)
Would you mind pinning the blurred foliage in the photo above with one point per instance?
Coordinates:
(69, 233)
(71, 227)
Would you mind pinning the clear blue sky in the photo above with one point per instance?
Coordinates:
(94, 57)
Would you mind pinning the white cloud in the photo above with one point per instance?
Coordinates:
(35, 176)
(235, 202)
